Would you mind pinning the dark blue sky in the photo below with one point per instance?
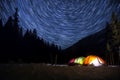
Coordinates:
(63, 22)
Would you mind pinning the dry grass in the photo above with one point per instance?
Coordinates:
(44, 72)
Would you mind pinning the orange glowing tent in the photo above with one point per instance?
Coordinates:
(93, 60)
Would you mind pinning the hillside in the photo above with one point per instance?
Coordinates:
(93, 44)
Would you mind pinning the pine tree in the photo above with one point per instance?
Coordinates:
(9, 23)
(1, 25)
(113, 39)
(34, 34)
(8, 28)
(16, 21)
(1, 29)
(115, 25)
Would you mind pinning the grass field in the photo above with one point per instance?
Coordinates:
(49, 72)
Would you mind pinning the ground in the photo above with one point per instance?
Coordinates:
(34, 71)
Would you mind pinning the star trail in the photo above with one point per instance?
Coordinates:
(63, 22)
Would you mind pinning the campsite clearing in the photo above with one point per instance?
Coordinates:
(34, 71)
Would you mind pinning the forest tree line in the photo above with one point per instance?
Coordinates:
(28, 47)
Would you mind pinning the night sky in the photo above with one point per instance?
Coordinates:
(63, 22)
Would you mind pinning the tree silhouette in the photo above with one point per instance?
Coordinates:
(1, 28)
(113, 39)
(8, 26)
(1, 24)
(16, 46)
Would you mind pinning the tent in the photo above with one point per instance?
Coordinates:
(78, 61)
(93, 60)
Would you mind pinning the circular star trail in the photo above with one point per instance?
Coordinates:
(63, 22)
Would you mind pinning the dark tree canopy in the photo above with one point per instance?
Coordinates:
(113, 40)
(28, 47)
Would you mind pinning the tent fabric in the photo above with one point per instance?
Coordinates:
(94, 60)
(72, 60)
(89, 60)
(79, 60)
